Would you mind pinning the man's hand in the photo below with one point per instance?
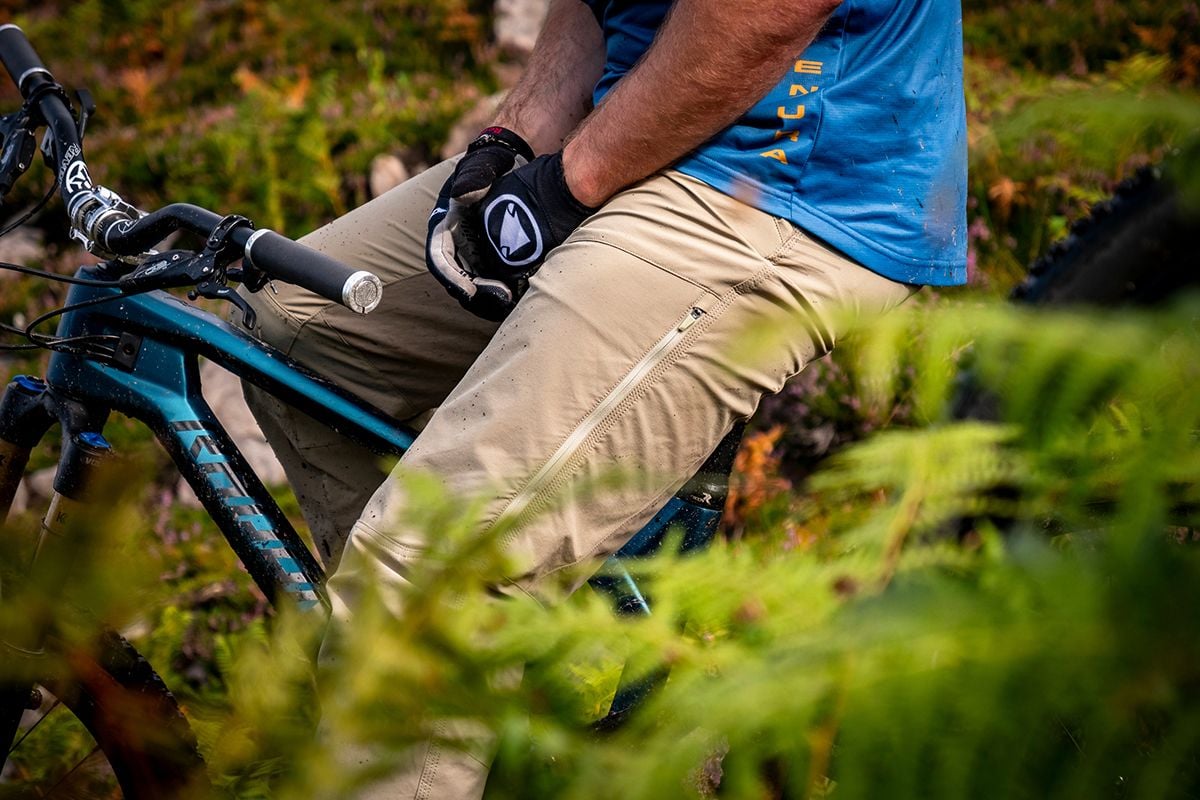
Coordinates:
(452, 244)
(526, 214)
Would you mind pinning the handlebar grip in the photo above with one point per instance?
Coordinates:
(280, 257)
(18, 55)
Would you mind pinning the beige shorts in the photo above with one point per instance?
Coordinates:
(663, 320)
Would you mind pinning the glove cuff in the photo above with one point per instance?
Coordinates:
(503, 137)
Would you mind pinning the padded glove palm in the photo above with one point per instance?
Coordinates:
(452, 243)
(526, 214)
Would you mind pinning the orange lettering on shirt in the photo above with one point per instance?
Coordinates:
(778, 155)
(809, 67)
(797, 89)
(783, 113)
(793, 135)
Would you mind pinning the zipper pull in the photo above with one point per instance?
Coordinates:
(690, 320)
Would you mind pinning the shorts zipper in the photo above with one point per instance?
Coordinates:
(589, 423)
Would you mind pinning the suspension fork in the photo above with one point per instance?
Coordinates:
(24, 420)
(27, 411)
(23, 423)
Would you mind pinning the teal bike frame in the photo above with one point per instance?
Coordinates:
(153, 377)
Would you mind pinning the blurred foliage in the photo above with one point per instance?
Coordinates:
(1043, 649)
(881, 658)
(1038, 650)
(271, 108)
(1082, 36)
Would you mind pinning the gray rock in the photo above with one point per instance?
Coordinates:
(470, 124)
(40, 484)
(387, 172)
(518, 23)
(22, 246)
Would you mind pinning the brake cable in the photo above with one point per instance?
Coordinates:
(12, 226)
(54, 276)
(50, 342)
(56, 343)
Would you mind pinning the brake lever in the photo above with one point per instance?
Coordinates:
(205, 271)
(17, 147)
(167, 270)
(174, 269)
(87, 109)
(215, 290)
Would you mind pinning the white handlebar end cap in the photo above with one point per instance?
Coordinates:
(362, 292)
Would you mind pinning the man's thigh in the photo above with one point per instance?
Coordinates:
(631, 354)
(406, 355)
(403, 358)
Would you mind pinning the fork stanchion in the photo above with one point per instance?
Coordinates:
(84, 456)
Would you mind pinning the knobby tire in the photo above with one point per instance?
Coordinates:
(134, 718)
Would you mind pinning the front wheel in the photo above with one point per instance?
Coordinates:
(107, 727)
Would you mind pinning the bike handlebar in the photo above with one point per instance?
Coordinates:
(275, 255)
(19, 57)
(292, 262)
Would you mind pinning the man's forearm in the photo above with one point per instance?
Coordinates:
(555, 92)
(712, 60)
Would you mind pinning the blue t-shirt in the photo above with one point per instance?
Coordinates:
(862, 144)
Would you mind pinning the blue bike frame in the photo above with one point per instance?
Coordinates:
(154, 378)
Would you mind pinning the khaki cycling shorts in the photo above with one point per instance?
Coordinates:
(660, 322)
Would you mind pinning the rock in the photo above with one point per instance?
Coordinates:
(22, 246)
(387, 172)
(223, 391)
(518, 23)
(471, 123)
(40, 484)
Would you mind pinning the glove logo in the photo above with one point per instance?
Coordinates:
(512, 231)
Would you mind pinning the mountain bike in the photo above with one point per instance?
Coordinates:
(125, 344)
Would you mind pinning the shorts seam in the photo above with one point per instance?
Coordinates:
(385, 539)
(643, 259)
(786, 246)
(429, 770)
(289, 321)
